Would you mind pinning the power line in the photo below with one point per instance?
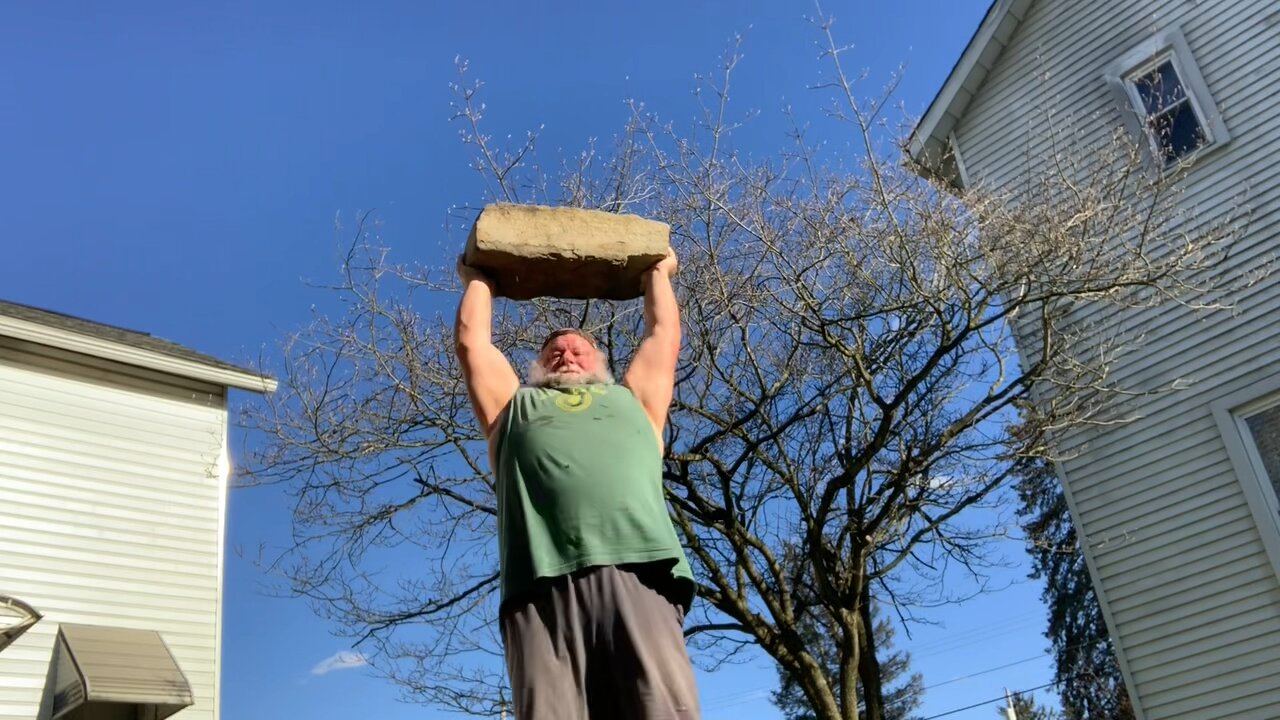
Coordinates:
(985, 702)
(970, 676)
(971, 636)
(984, 672)
(724, 701)
(753, 694)
(732, 699)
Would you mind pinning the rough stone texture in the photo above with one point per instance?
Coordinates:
(535, 251)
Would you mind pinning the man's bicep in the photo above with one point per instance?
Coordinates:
(651, 378)
(491, 382)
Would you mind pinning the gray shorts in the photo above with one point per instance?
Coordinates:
(599, 644)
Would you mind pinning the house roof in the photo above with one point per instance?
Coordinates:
(930, 146)
(122, 345)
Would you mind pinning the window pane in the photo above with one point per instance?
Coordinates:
(1160, 88)
(1178, 131)
(1265, 429)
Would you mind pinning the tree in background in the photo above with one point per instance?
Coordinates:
(847, 390)
(1086, 671)
(903, 693)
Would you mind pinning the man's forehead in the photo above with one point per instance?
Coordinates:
(564, 334)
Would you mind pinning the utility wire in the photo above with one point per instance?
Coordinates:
(731, 699)
(985, 702)
(724, 701)
(972, 636)
(984, 672)
(899, 701)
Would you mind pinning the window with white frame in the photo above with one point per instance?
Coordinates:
(1170, 102)
(1172, 121)
(1249, 420)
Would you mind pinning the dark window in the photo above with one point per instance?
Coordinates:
(1171, 118)
(1265, 429)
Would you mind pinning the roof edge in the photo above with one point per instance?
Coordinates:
(123, 353)
(929, 141)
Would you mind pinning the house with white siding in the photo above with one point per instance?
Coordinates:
(1177, 510)
(113, 490)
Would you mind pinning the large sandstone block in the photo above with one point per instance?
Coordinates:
(535, 251)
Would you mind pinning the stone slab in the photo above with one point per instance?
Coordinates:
(535, 251)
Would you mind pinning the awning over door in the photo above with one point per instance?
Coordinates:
(105, 665)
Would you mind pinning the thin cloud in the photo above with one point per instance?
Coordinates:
(344, 660)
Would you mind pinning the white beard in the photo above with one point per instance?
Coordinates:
(539, 377)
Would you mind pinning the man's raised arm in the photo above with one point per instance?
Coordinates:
(491, 381)
(652, 375)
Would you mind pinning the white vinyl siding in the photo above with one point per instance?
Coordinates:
(1186, 568)
(112, 481)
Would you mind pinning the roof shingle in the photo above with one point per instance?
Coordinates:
(132, 338)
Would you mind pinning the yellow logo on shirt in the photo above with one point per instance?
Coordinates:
(577, 399)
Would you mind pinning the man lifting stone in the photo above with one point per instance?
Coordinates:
(594, 582)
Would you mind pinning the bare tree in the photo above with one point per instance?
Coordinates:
(848, 387)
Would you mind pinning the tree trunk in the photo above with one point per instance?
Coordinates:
(868, 664)
(821, 696)
(850, 647)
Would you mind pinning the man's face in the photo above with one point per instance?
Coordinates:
(569, 356)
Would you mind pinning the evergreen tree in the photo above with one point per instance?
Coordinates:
(1025, 707)
(1086, 670)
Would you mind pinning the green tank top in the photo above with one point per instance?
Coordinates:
(579, 482)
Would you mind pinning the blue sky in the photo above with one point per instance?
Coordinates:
(177, 168)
